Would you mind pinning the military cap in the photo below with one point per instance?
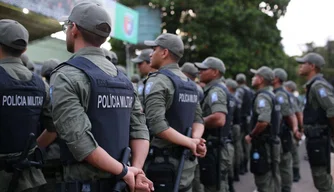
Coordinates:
(168, 41)
(26, 62)
(313, 58)
(281, 74)
(264, 72)
(90, 16)
(13, 34)
(240, 77)
(231, 83)
(190, 69)
(212, 63)
(111, 56)
(48, 66)
(143, 56)
(135, 78)
(290, 84)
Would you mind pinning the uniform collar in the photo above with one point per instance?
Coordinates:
(170, 66)
(11, 60)
(310, 81)
(280, 87)
(89, 51)
(267, 88)
(212, 83)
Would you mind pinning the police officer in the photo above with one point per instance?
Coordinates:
(143, 64)
(48, 67)
(232, 87)
(26, 62)
(111, 56)
(95, 110)
(171, 106)
(217, 119)
(191, 72)
(291, 87)
(25, 103)
(245, 95)
(318, 119)
(265, 149)
(288, 124)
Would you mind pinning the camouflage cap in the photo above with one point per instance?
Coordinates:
(212, 63)
(240, 77)
(264, 72)
(48, 66)
(281, 74)
(231, 83)
(291, 85)
(190, 69)
(143, 56)
(13, 34)
(168, 41)
(90, 16)
(313, 58)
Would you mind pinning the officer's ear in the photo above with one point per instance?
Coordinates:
(74, 30)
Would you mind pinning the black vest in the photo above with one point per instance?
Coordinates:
(314, 116)
(109, 109)
(237, 111)
(181, 113)
(20, 110)
(226, 130)
(275, 115)
(246, 108)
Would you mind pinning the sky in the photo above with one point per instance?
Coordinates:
(306, 21)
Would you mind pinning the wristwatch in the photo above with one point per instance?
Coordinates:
(123, 173)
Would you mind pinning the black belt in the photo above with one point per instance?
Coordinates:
(91, 186)
(175, 152)
(214, 142)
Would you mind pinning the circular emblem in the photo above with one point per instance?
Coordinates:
(256, 155)
(128, 24)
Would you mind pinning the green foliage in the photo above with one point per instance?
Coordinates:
(236, 31)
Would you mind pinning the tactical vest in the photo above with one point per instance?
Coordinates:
(237, 111)
(246, 108)
(226, 130)
(20, 110)
(181, 113)
(109, 109)
(200, 95)
(275, 115)
(314, 116)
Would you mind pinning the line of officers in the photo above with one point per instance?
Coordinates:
(91, 113)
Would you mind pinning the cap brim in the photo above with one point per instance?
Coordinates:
(253, 71)
(136, 60)
(201, 66)
(63, 19)
(300, 60)
(150, 43)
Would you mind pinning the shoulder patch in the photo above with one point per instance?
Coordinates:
(148, 87)
(262, 103)
(322, 92)
(280, 99)
(51, 91)
(214, 97)
(140, 89)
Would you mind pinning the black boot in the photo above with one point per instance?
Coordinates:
(296, 175)
(236, 174)
(242, 169)
(230, 184)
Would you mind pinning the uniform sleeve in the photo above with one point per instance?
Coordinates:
(286, 107)
(155, 105)
(263, 108)
(325, 98)
(46, 118)
(198, 114)
(218, 101)
(71, 121)
(138, 128)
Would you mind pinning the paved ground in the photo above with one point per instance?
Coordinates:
(246, 183)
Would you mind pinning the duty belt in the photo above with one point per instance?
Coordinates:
(9, 164)
(175, 152)
(312, 131)
(214, 142)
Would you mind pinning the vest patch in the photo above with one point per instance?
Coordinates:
(114, 101)
(188, 98)
(21, 100)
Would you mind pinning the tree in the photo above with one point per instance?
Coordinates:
(242, 33)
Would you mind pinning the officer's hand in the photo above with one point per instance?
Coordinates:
(193, 145)
(129, 178)
(298, 135)
(143, 184)
(248, 139)
(201, 150)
